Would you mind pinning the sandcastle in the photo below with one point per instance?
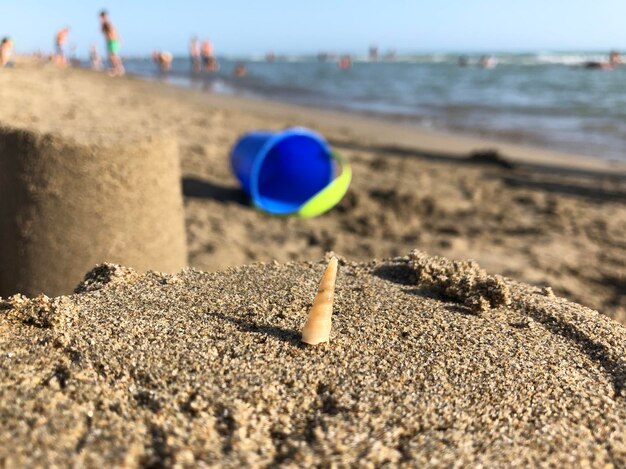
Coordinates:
(70, 201)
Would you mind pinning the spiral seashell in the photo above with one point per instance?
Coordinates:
(317, 327)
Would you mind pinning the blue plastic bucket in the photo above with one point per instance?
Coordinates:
(281, 171)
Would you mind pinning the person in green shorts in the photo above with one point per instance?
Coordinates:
(113, 44)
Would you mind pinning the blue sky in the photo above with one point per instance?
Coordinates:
(292, 26)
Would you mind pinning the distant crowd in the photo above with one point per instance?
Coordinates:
(60, 57)
(203, 59)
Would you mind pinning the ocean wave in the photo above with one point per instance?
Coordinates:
(503, 58)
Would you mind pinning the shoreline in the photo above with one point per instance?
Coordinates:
(391, 130)
(458, 107)
(405, 135)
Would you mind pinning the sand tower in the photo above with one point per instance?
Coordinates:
(70, 202)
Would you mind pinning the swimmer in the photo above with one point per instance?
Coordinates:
(6, 48)
(240, 70)
(614, 61)
(112, 44)
(487, 61)
(344, 62)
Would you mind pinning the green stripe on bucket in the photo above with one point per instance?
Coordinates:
(331, 195)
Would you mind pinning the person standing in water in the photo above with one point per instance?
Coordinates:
(194, 54)
(487, 61)
(345, 62)
(614, 59)
(112, 43)
(208, 59)
(163, 60)
(240, 70)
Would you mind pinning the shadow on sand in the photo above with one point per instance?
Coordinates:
(514, 174)
(202, 189)
(482, 156)
(286, 335)
(597, 194)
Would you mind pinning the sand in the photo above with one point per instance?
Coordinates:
(196, 368)
(68, 202)
(552, 220)
(432, 361)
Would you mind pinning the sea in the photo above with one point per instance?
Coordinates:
(542, 99)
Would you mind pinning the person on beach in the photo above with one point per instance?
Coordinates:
(194, 54)
(59, 42)
(112, 44)
(6, 48)
(208, 59)
(74, 60)
(163, 60)
(94, 58)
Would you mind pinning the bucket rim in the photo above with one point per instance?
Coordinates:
(278, 137)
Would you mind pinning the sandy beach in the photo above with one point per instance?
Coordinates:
(431, 361)
(185, 370)
(533, 215)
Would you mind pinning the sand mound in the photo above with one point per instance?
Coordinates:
(460, 280)
(68, 202)
(156, 370)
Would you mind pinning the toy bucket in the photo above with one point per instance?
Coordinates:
(292, 172)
